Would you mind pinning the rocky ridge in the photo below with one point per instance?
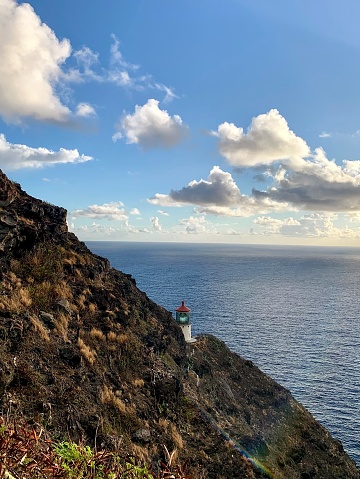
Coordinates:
(89, 357)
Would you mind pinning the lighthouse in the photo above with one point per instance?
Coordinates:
(183, 320)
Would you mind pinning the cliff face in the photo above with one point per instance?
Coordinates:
(86, 355)
(26, 222)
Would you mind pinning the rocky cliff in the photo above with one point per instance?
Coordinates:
(88, 356)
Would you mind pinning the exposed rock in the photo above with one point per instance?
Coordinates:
(64, 305)
(26, 221)
(142, 435)
(48, 319)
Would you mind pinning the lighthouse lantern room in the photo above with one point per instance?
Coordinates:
(183, 320)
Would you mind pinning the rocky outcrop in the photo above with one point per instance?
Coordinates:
(84, 354)
(25, 221)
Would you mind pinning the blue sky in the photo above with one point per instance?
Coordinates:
(186, 121)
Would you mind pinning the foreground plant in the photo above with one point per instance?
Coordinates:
(27, 454)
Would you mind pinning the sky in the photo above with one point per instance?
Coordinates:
(189, 121)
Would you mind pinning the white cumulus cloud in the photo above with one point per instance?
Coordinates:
(163, 213)
(151, 127)
(85, 110)
(325, 134)
(16, 157)
(267, 140)
(195, 225)
(156, 223)
(134, 211)
(219, 189)
(30, 66)
(114, 211)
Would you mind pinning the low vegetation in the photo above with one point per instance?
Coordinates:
(26, 452)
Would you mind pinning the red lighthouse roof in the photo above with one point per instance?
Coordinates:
(183, 308)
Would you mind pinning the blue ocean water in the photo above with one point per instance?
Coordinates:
(293, 311)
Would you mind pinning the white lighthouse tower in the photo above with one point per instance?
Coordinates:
(183, 320)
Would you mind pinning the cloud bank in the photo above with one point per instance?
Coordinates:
(315, 225)
(317, 184)
(297, 178)
(218, 195)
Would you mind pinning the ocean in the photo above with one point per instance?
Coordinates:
(293, 311)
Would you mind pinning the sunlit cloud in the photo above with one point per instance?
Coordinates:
(156, 223)
(114, 211)
(315, 225)
(85, 110)
(267, 140)
(151, 127)
(16, 157)
(37, 68)
(325, 134)
(134, 211)
(31, 66)
(196, 225)
(163, 213)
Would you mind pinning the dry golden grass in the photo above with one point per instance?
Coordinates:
(16, 301)
(78, 273)
(33, 296)
(63, 290)
(97, 334)
(107, 396)
(176, 437)
(62, 325)
(122, 338)
(81, 301)
(92, 308)
(24, 297)
(86, 352)
(84, 303)
(163, 423)
(139, 383)
(111, 336)
(125, 307)
(42, 295)
(12, 277)
(70, 257)
(39, 328)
